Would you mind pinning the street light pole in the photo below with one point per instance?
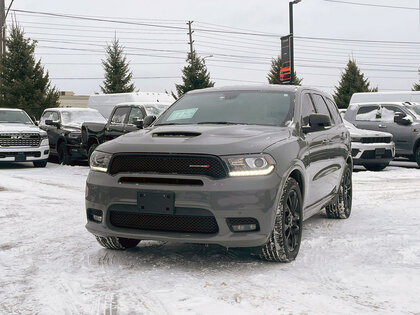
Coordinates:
(292, 59)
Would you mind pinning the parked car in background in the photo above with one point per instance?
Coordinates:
(63, 126)
(21, 140)
(372, 149)
(379, 97)
(105, 103)
(125, 117)
(402, 120)
(235, 166)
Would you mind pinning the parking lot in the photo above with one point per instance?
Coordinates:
(50, 263)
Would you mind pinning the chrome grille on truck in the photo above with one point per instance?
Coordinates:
(206, 165)
(19, 139)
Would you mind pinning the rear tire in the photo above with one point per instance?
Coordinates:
(119, 243)
(340, 208)
(418, 156)
(284, 242)
(63, 154)
(42, 163)
(376, 167)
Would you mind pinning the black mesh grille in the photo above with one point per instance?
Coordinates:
(169, 164)
(371, 154)
(13, 154)
(164, 223)
(376, 140)
(19, 139)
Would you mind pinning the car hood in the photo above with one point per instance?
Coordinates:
(199, 139)
(356, 132)
(18, 128)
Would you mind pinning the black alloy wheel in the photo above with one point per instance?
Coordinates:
(284, 243)
(340, 208)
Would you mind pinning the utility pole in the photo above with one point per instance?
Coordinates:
(292, 59)
(190, 32)
(2, 28)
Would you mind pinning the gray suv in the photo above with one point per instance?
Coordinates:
(402, 120)
(236, 166)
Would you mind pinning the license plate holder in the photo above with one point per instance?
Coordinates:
(379, 152)
(156, 202)
(20, 157)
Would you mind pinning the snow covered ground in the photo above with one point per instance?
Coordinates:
(49, 263)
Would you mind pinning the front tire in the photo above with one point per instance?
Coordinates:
(376, 167)
(284, 242)
(42, 163)
(340, 208)
(119, 243)
(63, 154)
(91, 149)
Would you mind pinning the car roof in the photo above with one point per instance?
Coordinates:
(256, 87)
(70, 109)
(12, 109)
(385, 103)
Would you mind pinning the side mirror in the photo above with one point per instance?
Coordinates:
(50, 122)
(402, 119)
(138, 123)
(317, 122)
(148, 120)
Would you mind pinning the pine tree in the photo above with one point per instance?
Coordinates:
(194, 75)
(274, 74)
(117, 73)
(23, 82)
(352, 81)
(416, 86)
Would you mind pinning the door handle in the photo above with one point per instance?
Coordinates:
(382, 126)
(326, 141)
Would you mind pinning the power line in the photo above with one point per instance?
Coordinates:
(373, 5)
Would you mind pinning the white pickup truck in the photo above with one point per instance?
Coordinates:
(21, 140)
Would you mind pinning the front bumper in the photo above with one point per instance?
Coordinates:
(367, 153)
(11, 154)
(247, 197)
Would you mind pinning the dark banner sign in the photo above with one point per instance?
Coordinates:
(285, 74)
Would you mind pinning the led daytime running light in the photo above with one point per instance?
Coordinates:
(252, 172)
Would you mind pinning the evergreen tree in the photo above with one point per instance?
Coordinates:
(23, 82)
(194, 75)
(274, 74)
(352, 81)
(117, 73)
(416, 86)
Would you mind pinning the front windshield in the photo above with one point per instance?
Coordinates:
(231, 107)
(415, 109)
(81, 116)
(14, 116)
(155, 109)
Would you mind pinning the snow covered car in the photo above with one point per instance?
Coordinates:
(372, 149)
(63, 126)
(235, 166)
(21, 140)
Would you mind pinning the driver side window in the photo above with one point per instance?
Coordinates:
(308, 108)
(135, 114)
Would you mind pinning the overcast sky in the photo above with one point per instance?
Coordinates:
(72, 49)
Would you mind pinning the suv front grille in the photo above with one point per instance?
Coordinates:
(164, 223)
(169, 164)
(19, 140)
(376, 140)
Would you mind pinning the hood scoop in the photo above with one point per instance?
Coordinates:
(176, 134)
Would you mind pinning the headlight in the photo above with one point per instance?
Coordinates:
(356, 139)
(250, 165)
(43, 136)
(99, 161)
(74, 135)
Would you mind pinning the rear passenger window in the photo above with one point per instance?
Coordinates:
(307, 108)
(321, 106)
(334, 111)
(369, 113)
